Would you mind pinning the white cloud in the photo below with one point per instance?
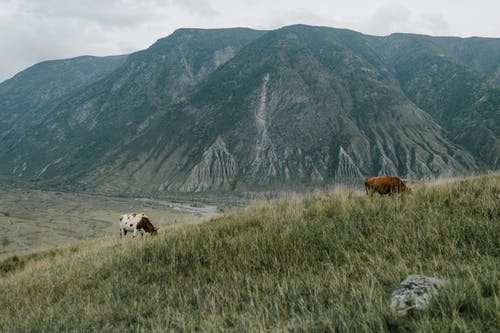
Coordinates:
(109, 13)
(34, 30)
(202, 8)
(388, 19)
(435, 24)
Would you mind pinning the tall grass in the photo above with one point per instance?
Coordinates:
(327, 262)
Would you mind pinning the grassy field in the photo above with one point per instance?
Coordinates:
(326, 262)
(32, 219)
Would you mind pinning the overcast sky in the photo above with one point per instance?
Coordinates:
(35, 30)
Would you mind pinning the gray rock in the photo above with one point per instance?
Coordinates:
(414, 292)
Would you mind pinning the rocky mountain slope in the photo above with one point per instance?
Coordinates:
(457, 81)
(243, 110)
(22, 96)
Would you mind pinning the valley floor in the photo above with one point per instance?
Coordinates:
(34, 219)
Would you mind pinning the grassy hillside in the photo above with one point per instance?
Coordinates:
(326, 262)
(31, 219)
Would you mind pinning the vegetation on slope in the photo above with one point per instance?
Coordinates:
(327, 262)
(241, 110)
(32, 220)
(437, 75)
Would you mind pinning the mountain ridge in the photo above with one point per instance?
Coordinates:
(235, 110)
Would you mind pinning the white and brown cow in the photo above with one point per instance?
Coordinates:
(133, 222)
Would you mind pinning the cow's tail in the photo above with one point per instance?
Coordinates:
(367, 187)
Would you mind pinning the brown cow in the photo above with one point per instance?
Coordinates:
(385, 185)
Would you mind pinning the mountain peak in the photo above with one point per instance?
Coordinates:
(208, 110)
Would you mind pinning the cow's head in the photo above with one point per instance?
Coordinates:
(406, 188)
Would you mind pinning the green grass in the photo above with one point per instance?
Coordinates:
(326, 262)
(31, 219)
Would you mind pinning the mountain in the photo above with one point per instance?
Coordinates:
(457, 82)
(47, 81)
(73, 133)
(240, 110)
